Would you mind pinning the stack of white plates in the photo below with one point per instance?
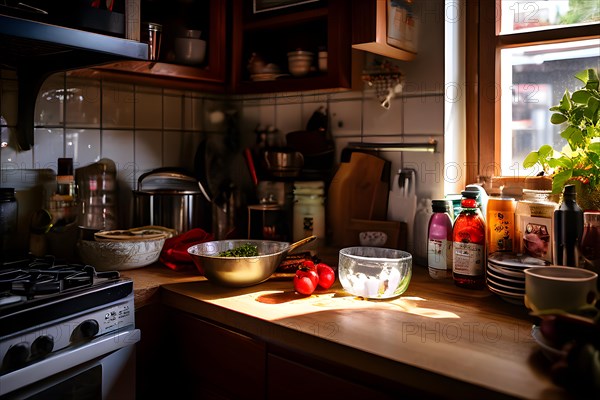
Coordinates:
(505, 276)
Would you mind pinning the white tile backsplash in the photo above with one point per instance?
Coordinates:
(118, 145)
(49, 108)
(424, 115)
(118, 104)
(48, 147)
(83, 145)
(83, 101)
(172, 112)
(147, 151)
(148, 108)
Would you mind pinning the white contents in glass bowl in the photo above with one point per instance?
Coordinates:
(376, 273)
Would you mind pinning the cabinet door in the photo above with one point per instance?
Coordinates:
(208, 361)
(290, 380)
(207, 17)
(315, 27)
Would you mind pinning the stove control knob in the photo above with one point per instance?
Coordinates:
(16, 356)
(88, 328)
(42, 346)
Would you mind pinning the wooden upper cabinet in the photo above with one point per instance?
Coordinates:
(207, 16)
(379, 28)
(323, 25)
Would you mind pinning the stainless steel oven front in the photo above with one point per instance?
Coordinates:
(77, 342)
(101, 369)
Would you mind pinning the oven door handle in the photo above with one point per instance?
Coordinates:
(68, 358)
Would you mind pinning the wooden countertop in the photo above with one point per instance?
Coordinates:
(455, 342)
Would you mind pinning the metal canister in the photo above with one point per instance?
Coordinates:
(500, 221)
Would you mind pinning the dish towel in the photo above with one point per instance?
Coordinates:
(174, 252)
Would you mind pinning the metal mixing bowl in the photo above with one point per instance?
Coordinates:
(241, 271)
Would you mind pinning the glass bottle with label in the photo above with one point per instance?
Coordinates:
(439, 240)
(468, 244)
(500, 224)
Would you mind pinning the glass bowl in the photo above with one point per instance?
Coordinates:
(374, 272)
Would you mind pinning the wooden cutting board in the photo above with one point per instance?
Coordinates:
(359, 192)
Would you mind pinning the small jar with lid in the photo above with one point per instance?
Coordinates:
(309, 211)
(534, 223)
(439, 240)
(9, 210)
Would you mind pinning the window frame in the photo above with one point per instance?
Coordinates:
(483, 44)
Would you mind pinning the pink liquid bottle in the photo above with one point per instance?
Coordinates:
(439, 240)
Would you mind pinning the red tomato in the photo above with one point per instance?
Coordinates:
(326, 275)
(310, 265)
(305, 280)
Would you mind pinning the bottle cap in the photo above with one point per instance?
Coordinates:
(440, 206)
(570, 191)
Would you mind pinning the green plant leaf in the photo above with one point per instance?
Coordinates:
(557, 119)
(581, 96)
(583, 76)
(545, 151)
(565, 102)
(531, 159)
(574, 137)
(594, 147)
(592, 108)
(559, 180)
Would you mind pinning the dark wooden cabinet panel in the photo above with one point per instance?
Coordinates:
(290, 380)
(204, 360)
(323, 25)
(208, 16)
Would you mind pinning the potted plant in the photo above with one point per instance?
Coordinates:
(579, 161)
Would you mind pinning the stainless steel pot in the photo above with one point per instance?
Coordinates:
(172, 198)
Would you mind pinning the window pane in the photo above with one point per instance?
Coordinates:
(537, 77)
(535, 15)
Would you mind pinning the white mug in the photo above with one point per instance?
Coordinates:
(558, 287)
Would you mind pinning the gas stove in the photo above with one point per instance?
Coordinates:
(51, 309)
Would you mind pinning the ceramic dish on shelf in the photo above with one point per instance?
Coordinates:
(517, 299)
(517, 283)
(506, 272)
(551, 353)
(515, 261)
(506, 288)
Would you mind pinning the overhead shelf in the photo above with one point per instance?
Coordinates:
(37, 49)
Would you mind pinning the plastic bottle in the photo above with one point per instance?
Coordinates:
(439, 240)
(421, 222)
(468, 244)
(568, 229)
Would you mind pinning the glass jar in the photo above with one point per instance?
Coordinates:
(590, 250)
(534, 224)
(309, 211)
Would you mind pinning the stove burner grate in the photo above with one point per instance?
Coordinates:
(47, 275)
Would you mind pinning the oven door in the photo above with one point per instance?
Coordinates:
(101, 369)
